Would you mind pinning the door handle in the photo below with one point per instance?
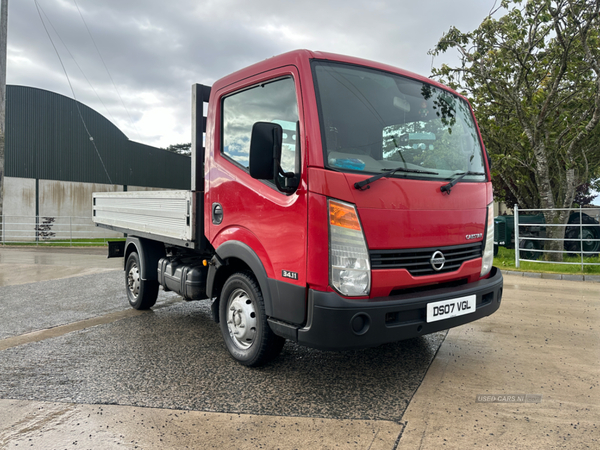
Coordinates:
(217, 214)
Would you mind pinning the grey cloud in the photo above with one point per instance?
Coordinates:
(155, 50)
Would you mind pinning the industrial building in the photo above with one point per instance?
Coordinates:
(58, 151)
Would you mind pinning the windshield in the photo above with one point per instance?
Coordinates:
(374, 121)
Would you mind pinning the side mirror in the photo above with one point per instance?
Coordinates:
(265, 157)
(265, 150)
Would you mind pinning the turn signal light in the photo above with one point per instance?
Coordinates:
(343, 215)
(349, 265)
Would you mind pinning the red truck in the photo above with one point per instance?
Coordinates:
(337, 202)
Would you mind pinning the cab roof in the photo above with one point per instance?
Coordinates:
(301, 59)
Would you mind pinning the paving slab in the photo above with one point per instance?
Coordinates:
(543, 342)
(44, 425)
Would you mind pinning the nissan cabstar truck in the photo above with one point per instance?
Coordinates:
(336, 202)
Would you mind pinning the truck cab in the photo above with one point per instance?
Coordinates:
(345, 204)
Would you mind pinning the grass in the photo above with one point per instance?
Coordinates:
(506, 260)
(99, 242)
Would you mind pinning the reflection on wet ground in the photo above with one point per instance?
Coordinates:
(21, 265)
(175, 358)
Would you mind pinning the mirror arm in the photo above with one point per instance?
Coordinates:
(291, 180)
(277, 166)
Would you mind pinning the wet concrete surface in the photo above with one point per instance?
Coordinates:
(118, 378)
(173, 358)
(526, 377)
(34, 306)
(66, 425)
(21, 265)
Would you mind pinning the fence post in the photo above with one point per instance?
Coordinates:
(517, 236)
(581, 236)
(70, 231)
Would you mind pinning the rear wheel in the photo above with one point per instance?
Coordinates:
(141, 293)
(527, 250)
(243, 322)
(591, 246)
(588, 244)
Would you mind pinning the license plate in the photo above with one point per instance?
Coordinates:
(454, 307)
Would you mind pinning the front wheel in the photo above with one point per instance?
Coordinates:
(141, 293)
(243, 322)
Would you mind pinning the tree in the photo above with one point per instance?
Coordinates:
(181, 149)
(533, 77)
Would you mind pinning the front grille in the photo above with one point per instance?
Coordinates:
(417, 260)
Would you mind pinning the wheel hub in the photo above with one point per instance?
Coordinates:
(241, 319)
(133, 280)
(588, 244)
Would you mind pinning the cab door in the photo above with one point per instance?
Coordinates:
(273, 224)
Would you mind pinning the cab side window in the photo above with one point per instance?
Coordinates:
(273, 101)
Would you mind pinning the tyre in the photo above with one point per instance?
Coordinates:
(141, 293)
(590, 246)
(243, 322)
(527, 250)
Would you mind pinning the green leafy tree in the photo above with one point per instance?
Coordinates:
(533, 77)
(180, 149)
(584, 196)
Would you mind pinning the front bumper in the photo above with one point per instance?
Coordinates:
(336, 323)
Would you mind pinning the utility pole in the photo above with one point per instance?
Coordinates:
(3, 38)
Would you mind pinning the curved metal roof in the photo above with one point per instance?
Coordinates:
(46, 138)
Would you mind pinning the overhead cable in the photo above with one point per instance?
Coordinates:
(91, 138)
(107, 71)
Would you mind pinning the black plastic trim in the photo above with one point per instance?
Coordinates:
(285, 330)
(241, 251)
(391, 318)
(290, 301)
(116, 249)
(149, 251)
(417, 260)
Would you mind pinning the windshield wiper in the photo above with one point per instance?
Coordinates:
(448, 187)
(360, 185)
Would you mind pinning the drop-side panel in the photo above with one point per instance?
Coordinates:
(156, 213)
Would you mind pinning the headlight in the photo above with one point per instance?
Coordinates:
(349, 267)
(488, 251)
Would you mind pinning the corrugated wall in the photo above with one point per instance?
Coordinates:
(46, 139)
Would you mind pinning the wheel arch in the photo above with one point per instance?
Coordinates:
(232, 257)
(149, 252)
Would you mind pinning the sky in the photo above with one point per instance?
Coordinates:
(134, 61)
